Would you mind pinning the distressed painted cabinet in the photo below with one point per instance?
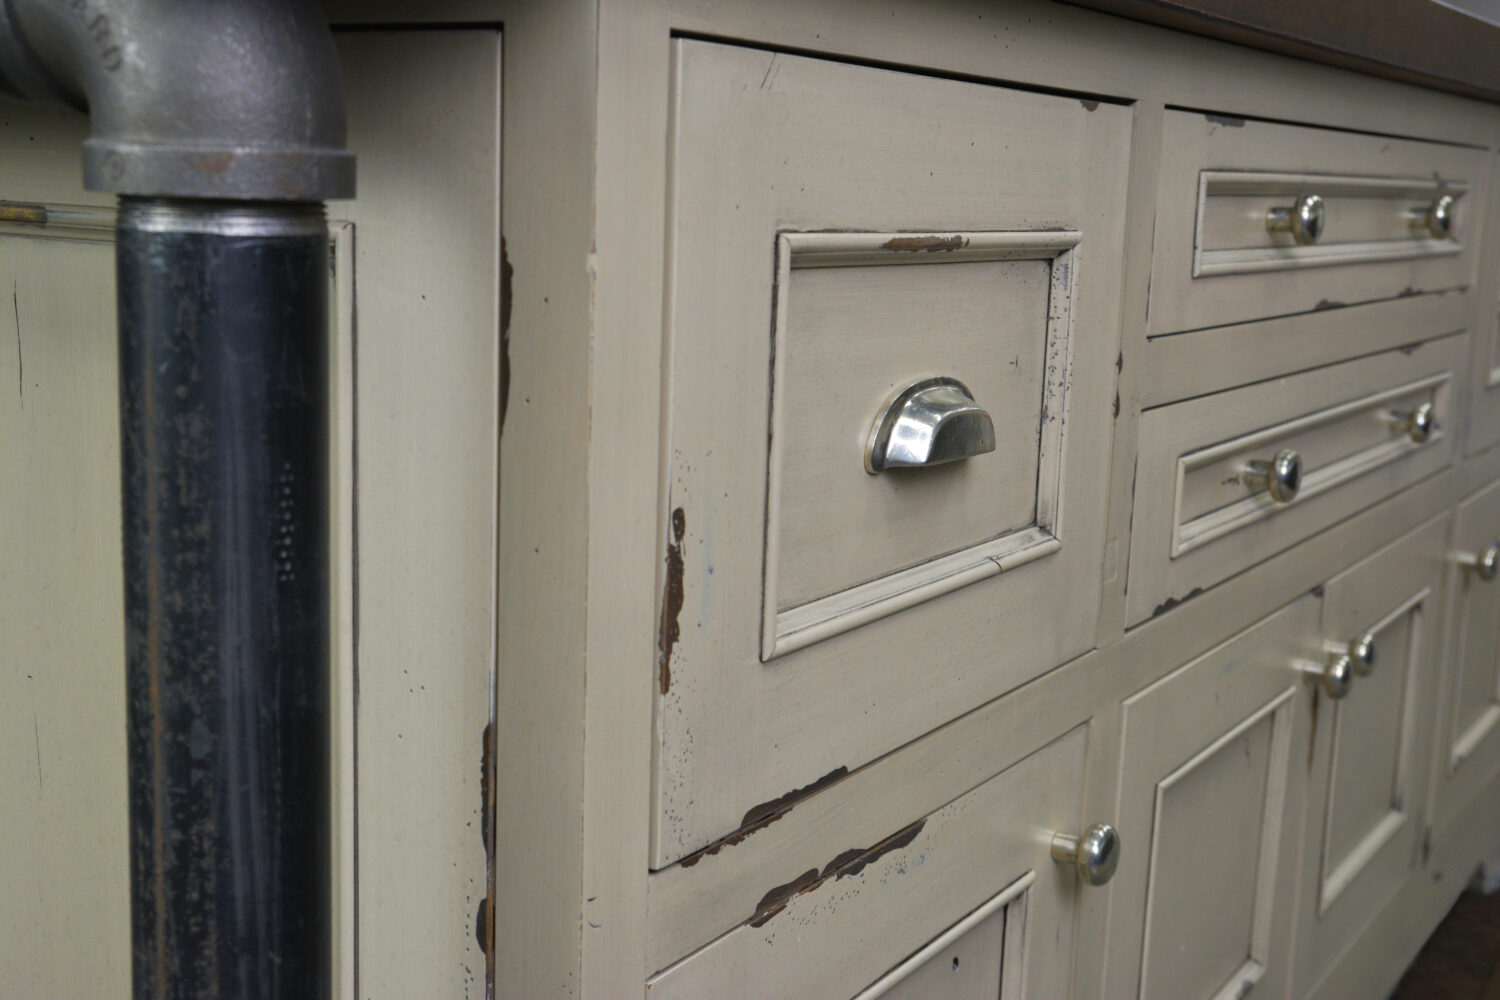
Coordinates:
(984, 499)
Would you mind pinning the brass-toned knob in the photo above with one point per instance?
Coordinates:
(1362, 654)
(1281, 477)
(1436, 219)
(1485, 564)
(1095, 855)
(1418, 424)
(1335, 677)
(1303, 219)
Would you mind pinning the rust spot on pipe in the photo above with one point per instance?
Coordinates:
(926, 244)
(844, 865)
(216, 164)
(671, 602)
(16, 213)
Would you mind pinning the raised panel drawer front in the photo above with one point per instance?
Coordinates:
(1469, 716)
(892, 328)
(1342, 438)
(1211, 784)
(963, 904)
(1367, 779)
(1380, 218)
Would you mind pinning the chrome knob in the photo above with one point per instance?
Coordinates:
(1303, 219)
(1335, 677)
(1437, 218)
(928, 422)
(1281, 477)
(1096, 854)
(1362, 654)
(1485, 564)
(1418, 423)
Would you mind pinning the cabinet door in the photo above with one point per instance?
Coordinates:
(1211, 784)
(1469, 712)
(1366, 780)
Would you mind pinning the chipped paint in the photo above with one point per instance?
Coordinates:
(484, 920)
(926, 244)
(844, 865)
(506, 274)
(762, 816)
(1172, 602)
(785, 802)
(671, 602)
(1312, 729)
(1228, 121)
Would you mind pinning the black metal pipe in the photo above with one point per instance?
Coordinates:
(224, 415)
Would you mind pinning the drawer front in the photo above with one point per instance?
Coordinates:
(1367, 780)
(1204, 509)
(1226, 183)
(1469, 716)
(973, 881)
(1211, 785)
(839, 235)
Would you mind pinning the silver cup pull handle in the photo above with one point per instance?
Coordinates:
(928, 422)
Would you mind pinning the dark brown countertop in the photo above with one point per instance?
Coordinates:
(1417, 41)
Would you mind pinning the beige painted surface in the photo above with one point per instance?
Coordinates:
(553, 572)
(1367, 758)
(840, 925)
(64, 876)
(1202, 277)
(426, 294)
(1468, 721)
(1210, 793)
(1198, 520)
(767, 144)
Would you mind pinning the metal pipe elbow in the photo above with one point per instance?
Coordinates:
(220, 99)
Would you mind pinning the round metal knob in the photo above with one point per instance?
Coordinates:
(1281, 477)
(1335, 677)
(1303, 219)
(1096, 854)
(1419, 423)
(1485, 564)
(1362, 654)
(1438, 218)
